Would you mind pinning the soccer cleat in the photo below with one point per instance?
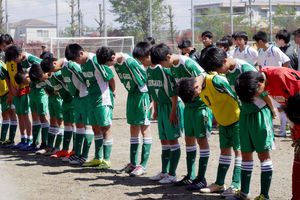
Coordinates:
(30, 147)
(229, 192)
(138, 171)
(7, 144)
(66, 158)
(50, 151)
(213, 188)
(281, 134)
(41, 151)
(238, 196)
(104, 165)
(77, 160)
(59, 154)
(197, 184)
(69, 158)
(185, 181)
(261, 197)
(158, 177)
(127, 169)
(168, 179)
(18, 146)
(92, 163)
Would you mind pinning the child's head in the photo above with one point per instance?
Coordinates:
(22, 77)
(75, 52)
(185, 46)
(296, 34)
(106, 56)
(207, 37)
(260, 38)
(151, 40)
(141, 52)
(37, 74)
(292, 108)
(233, 36)
(5, 40)
(283, 37)
(188, 88)
(161, 54)
(249, 85)
(223, 44)
(48, 65)
(13, 53)
(215, 59)
(241, 38)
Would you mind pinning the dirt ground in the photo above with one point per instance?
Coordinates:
(28, 176)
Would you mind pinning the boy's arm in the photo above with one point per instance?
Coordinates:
(173, 116)
(269, 102)
(112, 85)
(155, 110)
(13, 91)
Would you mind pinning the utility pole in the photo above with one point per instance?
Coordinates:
(6, 16)
(270, 13)
(250, 15)
(79, 19)
(104, 22)
(56, 5)
(231, 18)
(192, 22)
(100, 21)
(150, 16)
(172, 31)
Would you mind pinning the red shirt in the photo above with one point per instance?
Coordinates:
(282, 83)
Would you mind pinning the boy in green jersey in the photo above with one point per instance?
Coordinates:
(167, 109)
(133, 76)
(101, 86)
(197, 116)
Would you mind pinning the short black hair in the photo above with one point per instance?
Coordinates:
(184, 43)
(242, 34)
(261, 35)
(246, 85)
(35, 72)
(213, 59)
(104, 54)
(296, 32)
(6, 38)
(292, 108)
(47, 64)
(234, 35)
(223, 43)
(72, 51)
(229, 39)
(12, 52)
(151, 40)
(20, 76)
(185, 89)
(159, 53)
(283, 35)
(142, 49)
(207, 34)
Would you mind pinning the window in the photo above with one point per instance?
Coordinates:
(42, 33)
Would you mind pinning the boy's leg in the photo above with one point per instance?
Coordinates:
(134, 144)
(296, 177)
(266, 167)
(13, 124)
(5, 125)
(146, 147)
(174, 156)
(88, 139)
(36, 127)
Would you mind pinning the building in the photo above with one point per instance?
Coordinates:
(32, 30)
(259, 9)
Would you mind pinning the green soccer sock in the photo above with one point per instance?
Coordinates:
(174, 158)
(59, 138)
(146, 147)
(247, 168)
(266, 177)
(29, 139)
(236, 177)
(36, 128)
(4, 130)
(53, 131)
(88, 139)
(134, 150)
(45, 129)
(80, 134)
(12, 130)
(165, 158)
(203, 160)
(191, 152)
(98, 146)
(107, 145)
(68, 132)
(224, 164)
(23, 139)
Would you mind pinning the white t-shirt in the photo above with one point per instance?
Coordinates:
(249, 54)
(273, 56)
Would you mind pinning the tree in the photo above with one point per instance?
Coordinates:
(285, 18)
(2, 24)
(172, 28)
(134, 16)
(71, 30)
(100, 21)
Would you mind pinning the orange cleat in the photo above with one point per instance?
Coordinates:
(59, 154)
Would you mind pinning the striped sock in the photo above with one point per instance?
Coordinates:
(88, 139)
(107, 146)
(68, 132)
(266, 177)
(13, 130)
(146, 147)
(236, 176)
(165, 158)
(224, 163)
(204, 156)
(191, 152)
(174, 158)
(36, 128)
(4, 129)
(247, 168)
(53, 131)
(98, 146)
(23, 139)
(45, 129)
(134, 150)
(59, 138)
(80, 133)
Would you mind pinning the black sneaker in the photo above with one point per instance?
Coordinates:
(197, 184)
(185, 181)
(8, 145)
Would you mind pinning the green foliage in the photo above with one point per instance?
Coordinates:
(134, 16)
(285, 18)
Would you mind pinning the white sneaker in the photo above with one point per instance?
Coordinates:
(41, 152)
(281, 134)
(229, 192)
(168, 179)
(138, 171)
(158, 177)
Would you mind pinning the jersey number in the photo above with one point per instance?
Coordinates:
(128, 85)
(156, 92)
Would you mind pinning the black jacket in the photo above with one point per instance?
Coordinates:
(203, 52)
(289, 50)
(46, 54)
(195, 55)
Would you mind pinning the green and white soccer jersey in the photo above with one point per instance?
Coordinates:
(199, 126)
(99, 94)
(29, 60)
(74, 79)
(133, 76)
(161, 85)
